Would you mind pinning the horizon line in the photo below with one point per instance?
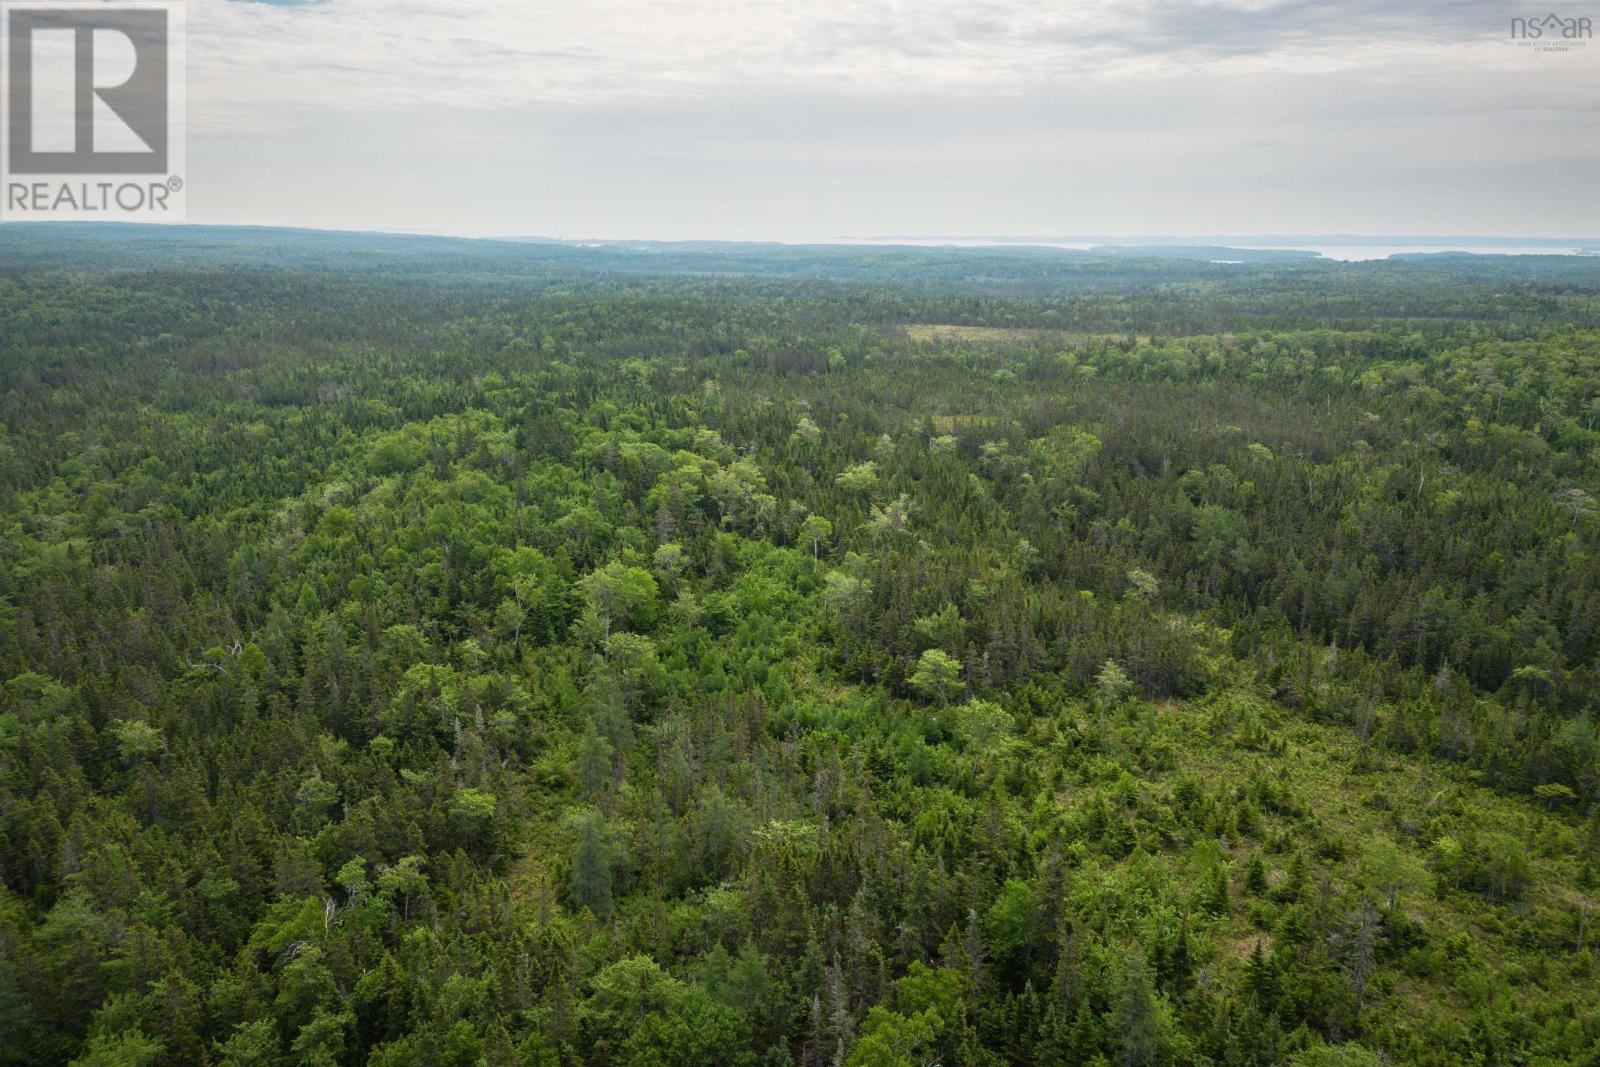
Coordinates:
(1198, 239)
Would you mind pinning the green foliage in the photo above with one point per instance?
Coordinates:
(472, 804)
(1134, 1022)
(626, 596)
(815, 531)
(592, 864)
(1392, 872)
(1334, 1056)
(937, 676)
(137, 740)
(1112, 684)
(252, 1044)
(860, 478)
(131, 1049)
(412, 662)
(889, 1039)
(639, 1016)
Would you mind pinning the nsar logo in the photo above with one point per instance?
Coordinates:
(1552, 32)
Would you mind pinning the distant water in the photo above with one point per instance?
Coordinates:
(1351, 253)
(1346, 253)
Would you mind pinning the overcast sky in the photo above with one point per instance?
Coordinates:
(818, 119)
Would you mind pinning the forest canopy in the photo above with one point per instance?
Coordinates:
(429, 652)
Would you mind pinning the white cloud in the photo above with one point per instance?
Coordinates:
(352, 54)
(963, 97)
